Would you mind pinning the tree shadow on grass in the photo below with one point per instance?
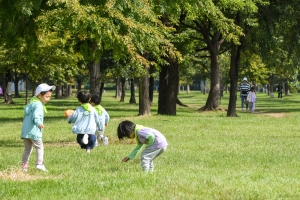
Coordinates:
(11, 143)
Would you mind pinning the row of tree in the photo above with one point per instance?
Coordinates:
(62, 41)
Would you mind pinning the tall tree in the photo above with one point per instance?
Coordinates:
(144, 101)
(206, 23)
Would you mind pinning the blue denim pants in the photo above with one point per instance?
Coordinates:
(90, 145)
(243, 98)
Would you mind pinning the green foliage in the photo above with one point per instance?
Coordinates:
(293, 89)
(253, 68)
(128, 28)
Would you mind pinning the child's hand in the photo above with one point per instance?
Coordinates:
(41, 126)
(125, 159)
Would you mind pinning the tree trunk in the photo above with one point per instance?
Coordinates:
(79, 83)
(16, 82)
(69, 90)
(117, 87)
(101, 90)
(286, 88)
(7, 92)
(233, 74)
(144, 103)
(26, 88)
(271, 84)
(122, 89)
(204, 85)
(132, 92)
(151, 85)
(168, 88)
(214, 92)
(58, 90)
(188, 91)
(94, 69)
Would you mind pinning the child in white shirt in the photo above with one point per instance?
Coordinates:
(251, 98)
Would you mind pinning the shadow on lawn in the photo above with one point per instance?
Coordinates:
(11, 143)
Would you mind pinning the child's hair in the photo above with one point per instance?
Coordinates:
(96, 99)
(252, 88)
(44, 92)
(83, 96)
(125, 128)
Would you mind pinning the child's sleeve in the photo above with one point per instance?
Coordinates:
(37, 114)
(135, 151)
(106, 116)
(99, 122)
(150, 137)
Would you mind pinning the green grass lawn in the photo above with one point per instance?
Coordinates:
(210, 156)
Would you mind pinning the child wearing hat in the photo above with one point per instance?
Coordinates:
(33, 125)
(244, 90)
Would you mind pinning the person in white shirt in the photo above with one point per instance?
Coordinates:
(251, 98)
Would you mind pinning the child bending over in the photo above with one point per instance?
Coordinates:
(155, 143)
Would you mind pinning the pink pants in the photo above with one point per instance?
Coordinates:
(38, 145)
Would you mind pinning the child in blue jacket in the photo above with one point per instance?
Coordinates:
(33, 125)
(86, 122)
(95, 101)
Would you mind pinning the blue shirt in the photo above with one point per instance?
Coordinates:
(104, 116)
(33, 117)
(85, 122)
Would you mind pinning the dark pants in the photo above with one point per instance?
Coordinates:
(244, 98)
(279, 94)
(90, 145)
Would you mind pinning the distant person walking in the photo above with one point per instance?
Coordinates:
(244, 90)
(251, 98)
(279, 90)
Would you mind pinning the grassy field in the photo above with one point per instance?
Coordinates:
(210, 156)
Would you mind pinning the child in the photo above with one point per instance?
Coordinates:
(86, 122)
(1, 92)
(95, 101)
(155, 142)
(251, 98)
(33, 124)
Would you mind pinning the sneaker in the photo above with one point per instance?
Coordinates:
(41, 167)
(24, 167)
(85, 139)
(105, 141)
(88, 150)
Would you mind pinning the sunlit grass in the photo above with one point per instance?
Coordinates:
(210, 156)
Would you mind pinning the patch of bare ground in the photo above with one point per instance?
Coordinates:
(276, 115)
(203, 109)
(15, 174)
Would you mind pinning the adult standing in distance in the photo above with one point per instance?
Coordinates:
(279, 90)
(244, 89)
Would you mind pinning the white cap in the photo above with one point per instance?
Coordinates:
(43, 88)
(245, 79)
